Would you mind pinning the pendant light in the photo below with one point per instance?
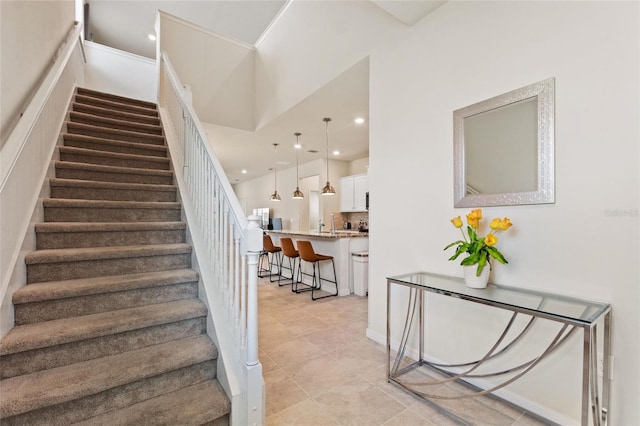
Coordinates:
(297, 194)
(328, 189)
(275, 196)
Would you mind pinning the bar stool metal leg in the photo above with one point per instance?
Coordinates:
(309, 255)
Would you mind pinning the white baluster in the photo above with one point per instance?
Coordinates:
(253, 236)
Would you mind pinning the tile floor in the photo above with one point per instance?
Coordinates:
(320, 369)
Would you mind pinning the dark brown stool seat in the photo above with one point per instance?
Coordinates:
(272, 254)
(292, 255)
(307, 254)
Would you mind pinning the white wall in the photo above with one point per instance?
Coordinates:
(220, 72)
(312, 43)
(586, 244)
(120, 73)
(357, 167)
(30, 34)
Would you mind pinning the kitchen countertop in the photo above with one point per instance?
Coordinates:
(325, 234)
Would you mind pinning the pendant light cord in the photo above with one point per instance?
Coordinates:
(326, 122)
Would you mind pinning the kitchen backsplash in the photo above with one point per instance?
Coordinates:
(341, 218)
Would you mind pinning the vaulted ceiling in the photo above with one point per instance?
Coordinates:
(125, 25)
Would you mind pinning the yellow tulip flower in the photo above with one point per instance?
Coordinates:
(457, 222)
(478, 213)
(490, 239)
(505, 224)
(495, 223)
(473, 219)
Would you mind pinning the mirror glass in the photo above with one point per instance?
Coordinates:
(503, 149)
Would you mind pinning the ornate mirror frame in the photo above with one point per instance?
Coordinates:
(543, 92)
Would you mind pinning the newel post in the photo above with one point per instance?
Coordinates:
(255, 384)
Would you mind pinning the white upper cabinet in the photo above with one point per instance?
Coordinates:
(353, 193)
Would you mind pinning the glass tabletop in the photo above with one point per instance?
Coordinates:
(569, 309)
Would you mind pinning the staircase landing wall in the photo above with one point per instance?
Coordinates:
(121, 73)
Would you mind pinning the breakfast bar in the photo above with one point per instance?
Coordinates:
(339, 244)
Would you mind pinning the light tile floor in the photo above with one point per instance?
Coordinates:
(320, 369)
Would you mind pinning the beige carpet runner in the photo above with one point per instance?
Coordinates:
(109, 328)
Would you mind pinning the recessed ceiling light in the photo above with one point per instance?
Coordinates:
(151, 37)
(359, 120)
(336, 152)
(244, 171)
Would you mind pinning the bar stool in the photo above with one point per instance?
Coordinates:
(272, 253)
(309, 255)
(290, 252)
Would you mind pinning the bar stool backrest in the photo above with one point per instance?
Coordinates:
(306, 251)
(287, 247)
(268, 244)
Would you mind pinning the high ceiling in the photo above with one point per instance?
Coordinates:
(125, 25)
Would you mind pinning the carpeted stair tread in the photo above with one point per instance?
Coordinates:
(58, 227)
(78, 210)
(110, 104)
(105, 132)
(101, 253)
(111, 191)
(57, 332)
(55, 235)
(75, 183)
(96, 120)
(99, 172)
(191, 406)
(161, 163)
(110, 145)
(116, 114)
(115, 98)
(106, 204)
(65, 289)
(36, 390)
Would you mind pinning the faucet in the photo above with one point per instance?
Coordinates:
(320, 225)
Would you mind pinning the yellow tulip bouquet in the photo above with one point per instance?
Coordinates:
(479, 249)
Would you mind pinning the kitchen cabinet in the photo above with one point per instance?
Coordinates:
(353, 193)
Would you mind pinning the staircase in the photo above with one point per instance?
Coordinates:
(109, 329)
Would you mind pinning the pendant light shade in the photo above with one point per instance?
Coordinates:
(327, 189)
(297, 194)
(275, 196)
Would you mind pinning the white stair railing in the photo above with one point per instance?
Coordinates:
(226, 245)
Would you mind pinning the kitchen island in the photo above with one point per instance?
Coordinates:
(340, 245)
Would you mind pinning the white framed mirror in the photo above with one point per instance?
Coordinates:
(504, 149)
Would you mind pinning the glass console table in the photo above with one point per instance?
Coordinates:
(571, 314)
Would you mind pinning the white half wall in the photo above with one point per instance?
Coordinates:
(120, 73)
(219, 70)
(584, 245)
